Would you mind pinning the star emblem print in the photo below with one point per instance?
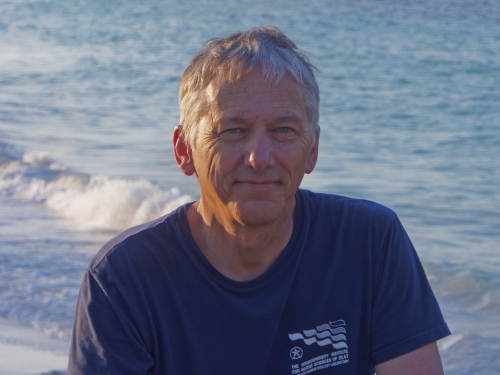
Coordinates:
(296, 353)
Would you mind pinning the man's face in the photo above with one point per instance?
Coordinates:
(252, 149)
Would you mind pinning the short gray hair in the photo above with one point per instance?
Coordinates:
(231, 58)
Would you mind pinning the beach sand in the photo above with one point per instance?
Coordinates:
(22, 360)
(26, 351)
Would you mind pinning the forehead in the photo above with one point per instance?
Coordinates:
(255, 95)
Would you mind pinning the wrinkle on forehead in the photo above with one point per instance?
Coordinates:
(213, 89)
(220, 94)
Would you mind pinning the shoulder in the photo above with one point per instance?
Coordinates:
(139, 243)
(330, 206)
(361, 226)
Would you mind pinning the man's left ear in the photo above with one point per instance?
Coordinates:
(182, 153)
(313, 155)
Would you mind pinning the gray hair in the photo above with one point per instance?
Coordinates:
(231, 58)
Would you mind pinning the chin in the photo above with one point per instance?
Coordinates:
(259, 212)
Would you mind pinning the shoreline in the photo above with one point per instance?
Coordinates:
(26, 351)
(23, 360)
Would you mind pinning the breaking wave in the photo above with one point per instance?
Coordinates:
(89, 201)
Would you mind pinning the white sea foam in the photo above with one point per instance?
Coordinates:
(90, 202)
(114, 203)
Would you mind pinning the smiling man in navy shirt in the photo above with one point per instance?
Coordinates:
(257, 276)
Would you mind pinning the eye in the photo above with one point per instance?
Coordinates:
(284, 133)
(233, 134)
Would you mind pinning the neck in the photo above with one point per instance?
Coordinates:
(240, 252)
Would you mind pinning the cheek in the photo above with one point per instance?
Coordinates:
(293, 153)
(217, 167)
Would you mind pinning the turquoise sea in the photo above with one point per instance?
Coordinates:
(410, 118)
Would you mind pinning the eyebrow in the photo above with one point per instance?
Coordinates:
(277, 120)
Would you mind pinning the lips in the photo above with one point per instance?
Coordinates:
(258, 184)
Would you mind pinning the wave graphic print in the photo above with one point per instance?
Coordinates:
(325, 334)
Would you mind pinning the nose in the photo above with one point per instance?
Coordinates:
(259, 154)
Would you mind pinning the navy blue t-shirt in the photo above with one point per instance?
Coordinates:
(347, 292)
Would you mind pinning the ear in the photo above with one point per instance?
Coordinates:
(182, 152)
(313, 155)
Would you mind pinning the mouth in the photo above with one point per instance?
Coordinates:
(258, 184)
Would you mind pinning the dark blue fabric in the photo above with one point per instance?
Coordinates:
(348, 292)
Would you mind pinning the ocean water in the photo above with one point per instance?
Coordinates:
(410, 118)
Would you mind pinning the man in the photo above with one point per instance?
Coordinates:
(257, 276)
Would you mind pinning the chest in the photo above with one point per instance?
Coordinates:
(308, 321)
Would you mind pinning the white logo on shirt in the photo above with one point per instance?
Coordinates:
(296, 353)
(332, 333)
(325, 334)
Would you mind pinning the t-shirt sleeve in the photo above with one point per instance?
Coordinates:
(405, 313)
(105, 340)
